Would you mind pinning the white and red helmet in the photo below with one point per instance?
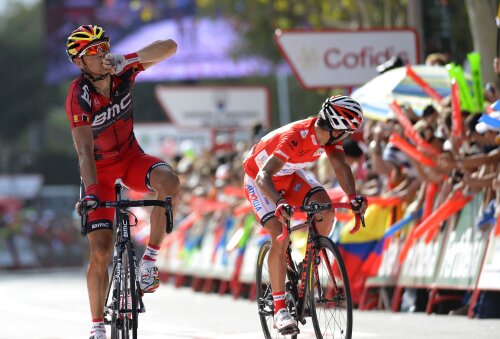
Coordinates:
(340, 112)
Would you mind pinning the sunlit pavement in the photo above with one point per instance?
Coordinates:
(53, 304)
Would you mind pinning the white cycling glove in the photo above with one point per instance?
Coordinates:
(119, 61)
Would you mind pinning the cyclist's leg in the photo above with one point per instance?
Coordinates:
(264, 211)
(100, 237)
(276, 260)
(304, 190)
(146, 173)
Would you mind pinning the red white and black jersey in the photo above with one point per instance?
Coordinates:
(111, 119)
(294, 143)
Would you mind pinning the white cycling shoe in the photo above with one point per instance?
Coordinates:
(98, 335)
(283, 320)
(148, 278)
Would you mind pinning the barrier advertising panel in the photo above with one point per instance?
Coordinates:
(463, 251)
(419, 268)
(490, 274)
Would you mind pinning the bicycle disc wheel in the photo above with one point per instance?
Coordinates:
(265, 301)
(330, 295)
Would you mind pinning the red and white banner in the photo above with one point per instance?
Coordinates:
(333, 58)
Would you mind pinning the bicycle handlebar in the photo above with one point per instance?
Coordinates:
(316, 207)
(166, 204)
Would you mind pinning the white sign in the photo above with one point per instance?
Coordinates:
(166, 140)
(219, 106)
(23, 186)
(322, 59)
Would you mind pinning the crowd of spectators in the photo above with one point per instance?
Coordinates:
(31, 238)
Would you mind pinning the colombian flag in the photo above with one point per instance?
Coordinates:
(356, 248)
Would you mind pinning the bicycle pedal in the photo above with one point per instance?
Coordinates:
(292, 330)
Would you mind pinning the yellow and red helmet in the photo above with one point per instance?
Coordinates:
(83, 36)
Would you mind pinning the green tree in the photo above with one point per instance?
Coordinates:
(482, 25)
(257, 20)
(24, 93)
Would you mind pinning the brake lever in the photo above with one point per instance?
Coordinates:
(285, 231)
(169, 215)
(362, 218)
(83, 213)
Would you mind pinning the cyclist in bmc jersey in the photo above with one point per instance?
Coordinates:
(275, 181)
(99, 107)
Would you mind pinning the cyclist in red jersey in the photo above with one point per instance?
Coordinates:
(275, 180)
(100, 111)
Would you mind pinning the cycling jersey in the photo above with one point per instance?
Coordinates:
(294, 143)
(116, 150)
(111, 119)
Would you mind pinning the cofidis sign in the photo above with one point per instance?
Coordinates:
(333, 58)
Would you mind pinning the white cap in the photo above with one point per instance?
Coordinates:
(483, 126)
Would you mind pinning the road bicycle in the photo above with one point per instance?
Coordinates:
(317, 287)
(124, 297)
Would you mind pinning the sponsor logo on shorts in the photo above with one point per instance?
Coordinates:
(254, 199)
(100, 225)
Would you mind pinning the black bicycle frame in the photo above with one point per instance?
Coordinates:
(123, 237)
(299, 291)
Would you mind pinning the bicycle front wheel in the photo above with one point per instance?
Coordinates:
(125, 316)
(265, 300)
(329, 293)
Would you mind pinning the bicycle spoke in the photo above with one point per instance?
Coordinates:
(330, 295)
(264, 296)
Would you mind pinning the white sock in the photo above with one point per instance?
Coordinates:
(150, 255)
(97, 326)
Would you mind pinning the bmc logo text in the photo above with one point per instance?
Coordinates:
(112, 111)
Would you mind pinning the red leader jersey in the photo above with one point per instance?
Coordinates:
(294, 143)
(111, 119)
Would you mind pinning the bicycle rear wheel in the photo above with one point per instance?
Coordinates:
(330, 295)
(124, 320)
(265, 301)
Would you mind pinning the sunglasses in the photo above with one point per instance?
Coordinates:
(94, 49)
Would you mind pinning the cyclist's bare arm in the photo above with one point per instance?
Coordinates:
(156, 52)
(264, 177)
(342, 171)
(84, 145)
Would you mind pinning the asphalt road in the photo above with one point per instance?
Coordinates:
(53, 305)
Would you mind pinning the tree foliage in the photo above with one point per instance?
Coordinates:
(257, 20)
(24, 93)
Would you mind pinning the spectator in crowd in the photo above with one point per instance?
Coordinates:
(436, 59)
